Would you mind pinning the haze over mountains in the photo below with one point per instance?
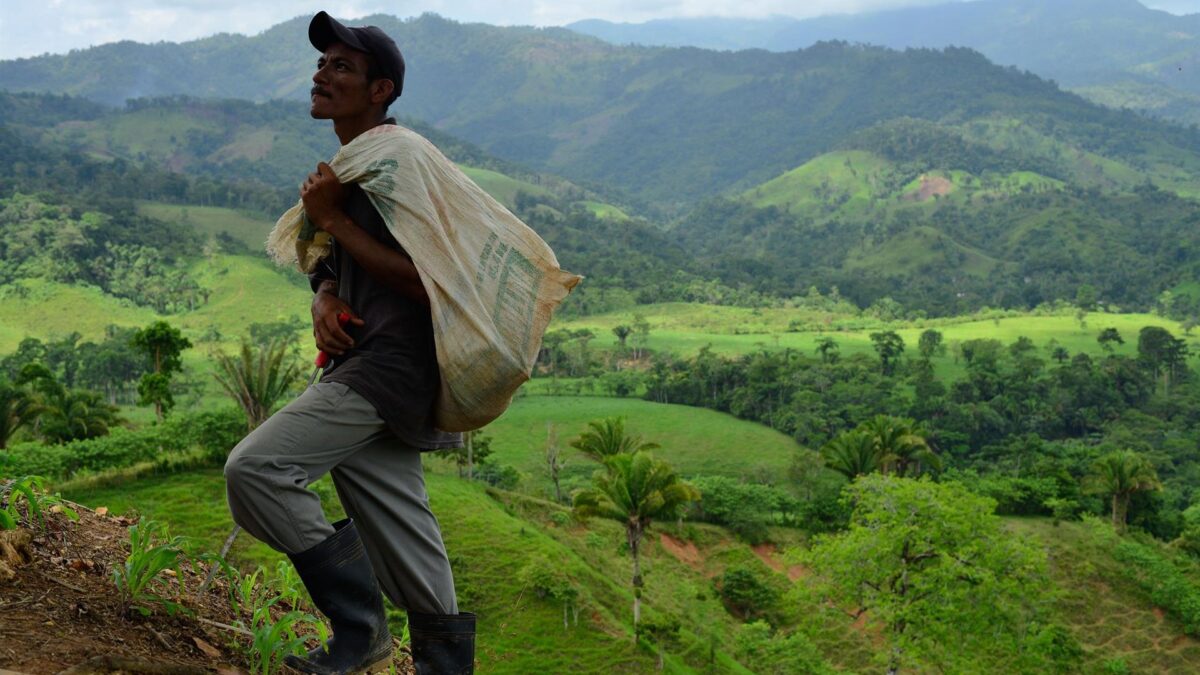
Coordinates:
(1116, 52)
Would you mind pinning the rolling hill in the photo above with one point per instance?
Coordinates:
(625, 116)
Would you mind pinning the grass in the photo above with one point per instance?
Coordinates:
(503, 188)
(602, 210)
(247, 227)
(684, 328)
(493, 536)
(491, 539)
(693, 440)
(1106, 611)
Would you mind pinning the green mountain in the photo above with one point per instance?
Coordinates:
(668, 125)
(1116, 52)
(274, 144)
(948, 219)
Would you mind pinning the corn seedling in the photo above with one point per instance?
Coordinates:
(271, 641)
(32, 488)
(291, 589)
(141, 579)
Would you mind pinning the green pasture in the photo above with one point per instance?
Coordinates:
(684, 329)
(502, 187)
(602, 210)
(248, 227)
(694, 440)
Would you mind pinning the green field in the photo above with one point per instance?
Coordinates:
(693, 440)
(248, 227)
(684, 329)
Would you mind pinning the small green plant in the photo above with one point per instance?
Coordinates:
(33, 489)
(140, 581)
(289, 586)
(271, 641)
(1115, 667)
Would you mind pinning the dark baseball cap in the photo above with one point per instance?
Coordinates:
(324, 30)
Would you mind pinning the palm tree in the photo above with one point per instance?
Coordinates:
(73, 414)
(636, 489)
(852, 454)
(17, 409)
(1119, 475)
(901, 444)
(257, 378)
(607, 438)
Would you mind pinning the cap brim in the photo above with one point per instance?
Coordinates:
(324, 30)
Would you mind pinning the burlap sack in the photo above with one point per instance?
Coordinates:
(492, 282)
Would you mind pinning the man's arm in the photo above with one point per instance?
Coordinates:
(322, 196)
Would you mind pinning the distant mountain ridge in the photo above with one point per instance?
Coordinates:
(667, 125)
(1084, 44)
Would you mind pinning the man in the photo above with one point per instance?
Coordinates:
(367, 419)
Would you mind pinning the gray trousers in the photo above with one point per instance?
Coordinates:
(379, 480)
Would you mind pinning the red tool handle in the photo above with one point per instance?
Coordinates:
(322, 357)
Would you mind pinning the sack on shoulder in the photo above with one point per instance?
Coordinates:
(492, 281)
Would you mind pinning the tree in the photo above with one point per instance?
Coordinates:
(1162, 353)
(889, 345)
(1109, 337)
(635, 489)
(163, 344)
(1086, 297)
(1118, 475)
(257, 378)
(607, 437)
(900, 444)
(930, 344)
(622, 332)
(925, 561)
(641, 334)
(476, 448)
(554, 461)
(827, 347)
(852, 454)
(17, 409)
(67, 414)
(663, 632)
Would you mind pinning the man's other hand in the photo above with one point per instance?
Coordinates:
(322, 194)
(330, 336)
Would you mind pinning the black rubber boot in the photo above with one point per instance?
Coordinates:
(442, 644)
(342, 584)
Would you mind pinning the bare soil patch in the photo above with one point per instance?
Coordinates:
(685, 551)
(768, 553)
(930, 186)
(60, 610)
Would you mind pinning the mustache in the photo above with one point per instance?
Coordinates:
(318, 91)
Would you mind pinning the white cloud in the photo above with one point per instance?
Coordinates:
(32, 28)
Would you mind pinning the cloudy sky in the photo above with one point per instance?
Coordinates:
(55, 26)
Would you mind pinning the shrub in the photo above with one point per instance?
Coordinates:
(745, 594)
(1168, 587)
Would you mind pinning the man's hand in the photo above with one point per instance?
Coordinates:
(322, 194)
(329, 334)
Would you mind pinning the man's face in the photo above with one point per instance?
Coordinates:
(340, 86)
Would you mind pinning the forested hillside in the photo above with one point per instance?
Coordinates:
(625, 116)
(1116, 52)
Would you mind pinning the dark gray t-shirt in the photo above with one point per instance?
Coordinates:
(393, 363)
